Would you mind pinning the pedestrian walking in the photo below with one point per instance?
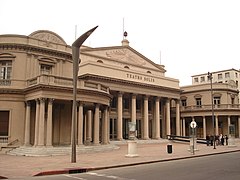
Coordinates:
(222, 140)
(208, 139)
(226, 139)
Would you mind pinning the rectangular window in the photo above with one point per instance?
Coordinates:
(6, 69)
(216, 100)
(202, 79)
(232, 100)
(236, 74)
(46, 69)
(198, 102)
(138, 104)
(220, 76)
(195, 79)
(149, 105)
(114, 102)
(227, 75)
(126, 103)
(184, 102)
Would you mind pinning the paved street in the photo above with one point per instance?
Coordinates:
(23, 167)
(220, 167)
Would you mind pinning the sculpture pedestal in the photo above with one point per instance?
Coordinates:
(231, 142)
(132, 149)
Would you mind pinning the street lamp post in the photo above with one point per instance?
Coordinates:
(214, 140)
(75, 57)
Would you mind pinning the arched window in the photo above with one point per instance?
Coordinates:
(126, 67)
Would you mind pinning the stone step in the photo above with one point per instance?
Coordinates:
(51, 151)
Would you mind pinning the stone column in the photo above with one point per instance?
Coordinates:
(216, 125)
(168, 122)
(184, 126)
(27, 124)
(177, 118)
(229, 123)
(145, 120)
(204, 127)
(41, 122)
(49, 123)
(108, 125)
(85, 127)
(80, 124)
(119, 118)
(105, 126)
(96, 125)
(89, 126)
(133, 113)
(238, 126)
(113, 129)
(157, 119)
(36, 122)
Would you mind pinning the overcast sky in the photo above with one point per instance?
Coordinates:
(193, 36)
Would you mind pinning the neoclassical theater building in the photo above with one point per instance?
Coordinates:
(116, 85)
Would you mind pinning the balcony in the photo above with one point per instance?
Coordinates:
(51, 80)
(209, 107)
(3, 140)
(65, 82)
(5, 82)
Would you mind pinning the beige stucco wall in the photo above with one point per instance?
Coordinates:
(225, 91)
(16, 117)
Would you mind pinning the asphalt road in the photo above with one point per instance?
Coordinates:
(214, 167)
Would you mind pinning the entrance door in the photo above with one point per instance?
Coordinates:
(4, 126)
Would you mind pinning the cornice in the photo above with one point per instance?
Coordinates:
(124, 82)
(208, 90)
(35, 49)
(64, 89)
(11, 91)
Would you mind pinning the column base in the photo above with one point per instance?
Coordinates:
(146, 138)
(49, 146)
(27, 145)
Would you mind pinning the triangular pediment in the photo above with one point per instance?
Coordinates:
(124, 55)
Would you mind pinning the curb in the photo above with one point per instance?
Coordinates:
(82, 170)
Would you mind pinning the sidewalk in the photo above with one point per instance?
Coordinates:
(22, 166)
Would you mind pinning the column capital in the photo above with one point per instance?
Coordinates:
(166, 99)
(42, 100)
(134, 95)
(146, 97)
(177, 100)
(37, 100)
(120, 93)
(80, 103)
(97, 105)
(50, 100)
(157, 98)
(27, 103)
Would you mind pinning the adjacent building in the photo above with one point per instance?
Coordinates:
(196, 105)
